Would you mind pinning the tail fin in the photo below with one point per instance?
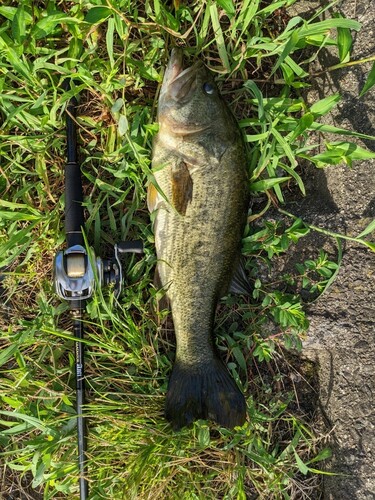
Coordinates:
(207, 392)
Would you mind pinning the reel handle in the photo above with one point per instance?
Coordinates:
(135, 246)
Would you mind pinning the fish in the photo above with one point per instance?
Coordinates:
(198, 200)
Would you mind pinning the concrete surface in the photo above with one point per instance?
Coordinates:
(341, 336)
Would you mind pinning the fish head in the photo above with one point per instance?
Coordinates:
(190, 101)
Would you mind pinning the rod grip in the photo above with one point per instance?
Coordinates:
(74, 219)
(71, 130)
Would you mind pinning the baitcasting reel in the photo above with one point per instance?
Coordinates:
(77, 274)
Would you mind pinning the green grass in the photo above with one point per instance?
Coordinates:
(114, 53)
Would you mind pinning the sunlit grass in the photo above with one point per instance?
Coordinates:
(114, 53)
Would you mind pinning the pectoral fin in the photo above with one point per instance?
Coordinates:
(182, 187)
(152, 197)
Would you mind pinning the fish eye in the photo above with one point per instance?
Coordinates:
(208, 88)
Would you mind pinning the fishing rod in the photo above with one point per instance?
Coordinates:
(77, 273)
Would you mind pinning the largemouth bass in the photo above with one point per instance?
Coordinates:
(201, 203)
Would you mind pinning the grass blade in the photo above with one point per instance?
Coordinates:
(344, 43)
(228, 6)
(219, 37)
(369, 82)
(369, 229)
(325, 105)
(265, 184)
(324, 27)
(19, 24)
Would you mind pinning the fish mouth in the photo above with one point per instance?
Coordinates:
(178, 81)
(178, 88)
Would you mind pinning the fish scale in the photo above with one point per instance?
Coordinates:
(200, 217)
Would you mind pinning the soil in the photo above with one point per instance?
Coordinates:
(342, 321)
